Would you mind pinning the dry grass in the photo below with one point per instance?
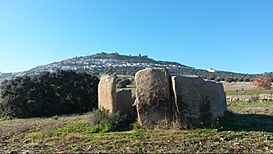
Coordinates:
(239, 86)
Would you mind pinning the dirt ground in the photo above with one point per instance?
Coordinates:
(238, 86)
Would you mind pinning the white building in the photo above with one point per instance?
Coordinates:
(211, 70)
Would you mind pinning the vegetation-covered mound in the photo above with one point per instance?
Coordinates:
(47, 94)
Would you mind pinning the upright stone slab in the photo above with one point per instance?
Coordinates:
(107, 96)
(188, 93)
(197, 101)
(153, 97)
(217, 98)
(125, 102)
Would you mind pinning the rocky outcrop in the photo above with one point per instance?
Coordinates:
(153, 97)
(107, 96)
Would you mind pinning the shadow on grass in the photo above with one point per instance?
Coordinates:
(246, 122)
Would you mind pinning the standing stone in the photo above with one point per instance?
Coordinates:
(188, 94)
(125, 102)
(197, 101)
(107, 96)
(218, 104)
(153, 97)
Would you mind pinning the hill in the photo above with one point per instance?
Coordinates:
(114, 63)
(106, 63)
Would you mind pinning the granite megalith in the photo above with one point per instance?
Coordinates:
(153, 97)
(197, 102)
(125, 102)
(107, 96)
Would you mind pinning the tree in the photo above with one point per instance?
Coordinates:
(47, 94)
(229, 80)
(262, 82)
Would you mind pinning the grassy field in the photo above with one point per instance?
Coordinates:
(249, 92)
(248, 127)
(233, 86)
(249, 89)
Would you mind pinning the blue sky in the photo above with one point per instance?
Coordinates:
(232, 35)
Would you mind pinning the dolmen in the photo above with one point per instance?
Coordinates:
(165, 101)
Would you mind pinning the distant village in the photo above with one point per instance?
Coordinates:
(90, 64)
(100, 61)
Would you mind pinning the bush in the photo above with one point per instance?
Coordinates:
(263, 82)
(246, 79)
(229, 80)
(218, 79)
(48, 94)
(106, 122)
(241, 79)
(123, 83)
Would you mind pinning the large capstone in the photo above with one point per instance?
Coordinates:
(153, 97)
(197, 102)
(107, 96)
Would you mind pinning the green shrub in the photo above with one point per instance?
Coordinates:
(218, 79)
(136, 126)
(56, 117)
(49, 94)
(106, 122)
(246, 79)
(229, 80)
(241, 79)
